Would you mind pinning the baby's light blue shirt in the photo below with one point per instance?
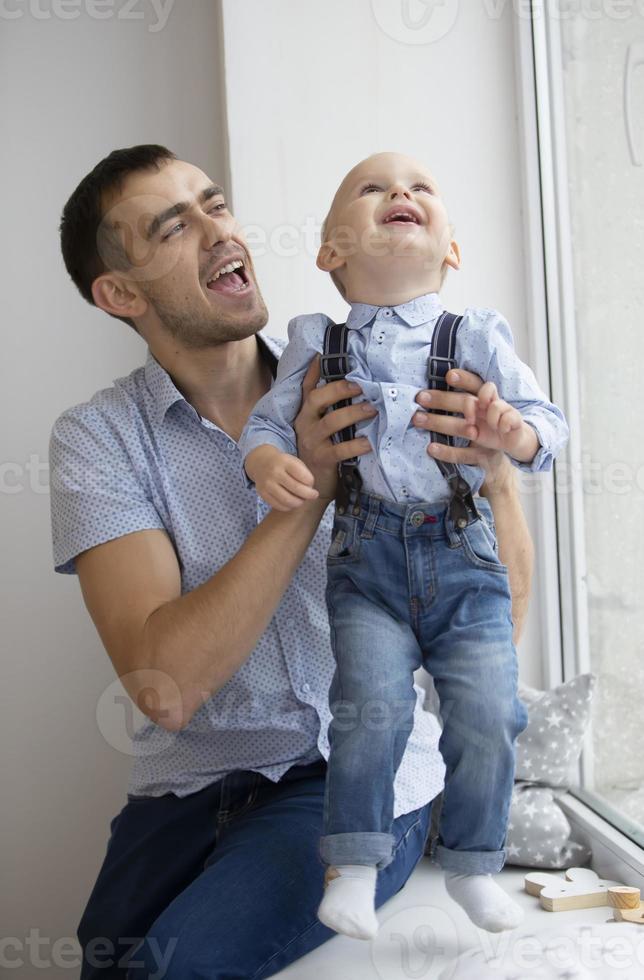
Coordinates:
(390, 347)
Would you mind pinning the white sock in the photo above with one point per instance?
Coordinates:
(348, 905)
(485, 902)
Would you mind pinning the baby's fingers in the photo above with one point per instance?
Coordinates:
(295, 483)
(509, 418)
(486, 396)
(298, 471)
(280, 497)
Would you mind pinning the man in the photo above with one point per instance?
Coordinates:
(210, 606)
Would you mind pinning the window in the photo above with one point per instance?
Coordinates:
(587, 73)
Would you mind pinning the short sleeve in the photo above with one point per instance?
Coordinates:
(96, 494)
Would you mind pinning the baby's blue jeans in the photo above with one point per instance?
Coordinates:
(407, 589)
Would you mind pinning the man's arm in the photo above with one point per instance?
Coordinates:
(516, 549)
(173, 651)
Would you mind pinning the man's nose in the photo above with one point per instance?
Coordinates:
(216, 230)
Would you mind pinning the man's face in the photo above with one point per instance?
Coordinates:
(386, 209)
(179, 237)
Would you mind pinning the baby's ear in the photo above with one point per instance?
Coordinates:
(453, 257)
(328, 259)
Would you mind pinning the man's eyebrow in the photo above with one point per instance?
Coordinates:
(214, 190)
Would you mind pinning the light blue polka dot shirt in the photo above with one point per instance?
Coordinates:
(138, 456)
(390, 347)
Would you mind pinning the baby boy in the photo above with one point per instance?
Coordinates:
(408, 585)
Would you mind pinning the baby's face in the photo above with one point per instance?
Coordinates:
(388, 213)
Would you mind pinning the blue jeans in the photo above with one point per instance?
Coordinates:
(407, 589)
(223, 883)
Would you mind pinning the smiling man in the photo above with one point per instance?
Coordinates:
(210, 605)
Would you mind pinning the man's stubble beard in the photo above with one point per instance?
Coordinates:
(197, 331)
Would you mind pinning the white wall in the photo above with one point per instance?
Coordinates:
(70, 92)
(315, 87)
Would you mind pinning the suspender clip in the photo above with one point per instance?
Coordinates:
(462, 508)
(349, 482)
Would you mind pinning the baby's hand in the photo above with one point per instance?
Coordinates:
(282, 480)
(515, 437)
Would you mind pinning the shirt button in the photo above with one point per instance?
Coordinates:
(306, 688)
(404, 491)
(393, 392)
(231, 445)
(387, 312)
(290, 623)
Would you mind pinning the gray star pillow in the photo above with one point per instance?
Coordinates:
(539, 834)
(552, 742)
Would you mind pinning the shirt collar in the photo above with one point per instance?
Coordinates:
(164, 391)
(422, 309)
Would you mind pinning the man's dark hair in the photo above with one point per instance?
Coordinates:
(90, 245)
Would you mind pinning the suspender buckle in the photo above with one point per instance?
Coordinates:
(334, 367)
(436, 373)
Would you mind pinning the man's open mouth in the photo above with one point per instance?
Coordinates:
(230, 278)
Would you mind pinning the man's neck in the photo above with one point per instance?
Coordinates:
(222, 383)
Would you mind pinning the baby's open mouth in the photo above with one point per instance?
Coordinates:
(403, 215)
(229, 279)
(407, 218)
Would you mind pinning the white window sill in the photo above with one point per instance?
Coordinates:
(614, 855)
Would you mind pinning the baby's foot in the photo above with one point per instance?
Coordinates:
(348, 903)
(485, 902)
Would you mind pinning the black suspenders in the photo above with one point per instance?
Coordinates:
(334, 366)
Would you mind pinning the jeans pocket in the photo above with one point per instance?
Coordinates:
(345, 541)
(480, 547)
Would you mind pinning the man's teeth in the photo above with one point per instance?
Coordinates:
(231, 267)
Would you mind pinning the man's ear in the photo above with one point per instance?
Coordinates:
(114, 294)
(453, 257)
(328, 259)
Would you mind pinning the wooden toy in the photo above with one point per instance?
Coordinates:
(580, 889)
(626, 904)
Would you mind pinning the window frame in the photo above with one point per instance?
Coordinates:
(560, 547)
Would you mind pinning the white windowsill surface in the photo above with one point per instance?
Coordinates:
(614, 855)
(422, 930)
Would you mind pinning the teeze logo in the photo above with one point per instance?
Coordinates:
(415, 21)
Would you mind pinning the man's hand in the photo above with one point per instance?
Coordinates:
(282, 480)
(484, 450)
(314, 428)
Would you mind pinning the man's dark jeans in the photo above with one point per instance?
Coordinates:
(224, 883)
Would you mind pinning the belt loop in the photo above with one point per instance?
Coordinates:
(372, 517)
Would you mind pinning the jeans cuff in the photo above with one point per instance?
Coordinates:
(358, 848)
(469, 862)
